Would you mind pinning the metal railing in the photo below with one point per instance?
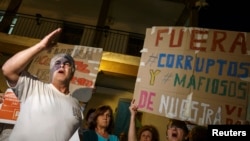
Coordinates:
(74, 33)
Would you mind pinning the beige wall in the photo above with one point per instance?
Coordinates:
(158, 121)
(107, 96)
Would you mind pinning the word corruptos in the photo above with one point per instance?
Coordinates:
(206, 65)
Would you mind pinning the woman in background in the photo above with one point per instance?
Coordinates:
(101, 128)
(89, 118)
(145, 133)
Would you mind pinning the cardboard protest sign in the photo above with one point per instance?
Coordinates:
(87, 61)
(10, 108)
(194, 75)
(197, 39)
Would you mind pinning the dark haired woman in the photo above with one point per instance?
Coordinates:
(100, 129)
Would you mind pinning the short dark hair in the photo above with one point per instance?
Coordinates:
(178, 123)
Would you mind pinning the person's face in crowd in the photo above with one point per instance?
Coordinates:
(104, 119)
(91, 117)
(175, 133)
(62, 69)
(146, 136)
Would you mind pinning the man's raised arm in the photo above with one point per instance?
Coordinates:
(18, 62)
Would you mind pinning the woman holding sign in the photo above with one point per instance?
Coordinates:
(145, 133)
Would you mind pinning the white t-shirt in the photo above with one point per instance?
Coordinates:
(46, 114)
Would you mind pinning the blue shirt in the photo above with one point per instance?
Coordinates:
(110, 138)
